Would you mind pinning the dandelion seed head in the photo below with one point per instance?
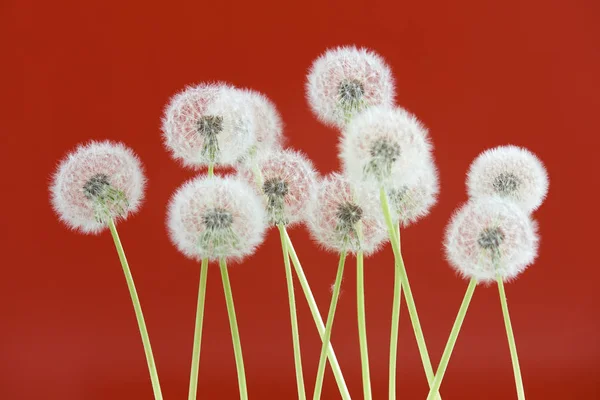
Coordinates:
(209, 123)
(381, 140)
(268, 123)
(346, 80)
(287, 179)
(97, 182)
(218, 217)
(342, 217)
(490, 237)
(511, 172)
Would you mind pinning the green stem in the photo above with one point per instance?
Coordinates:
(511, 341)
(328, 327)
(312, 304)
(198, 330)
(138, 311)
(293, 315)
(211, 169)
(235, 334)
(395, 323)
(362, 325)
(437, 382)
(410, 302)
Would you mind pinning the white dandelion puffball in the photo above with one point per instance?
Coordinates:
(346, 218)
(267, 121)
(511, 172)
(381, 140)
(209, 123)
(413, 195)
(97, 182)
(490, 237)
(345, 81)
(216, 218)
(286, 181)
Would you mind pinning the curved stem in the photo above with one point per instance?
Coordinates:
(235, 334)
(198, 330)
(362, 325)
(511, 341)
(394, 330)
(138, 311)
(293, 316)
(437, 382)
(410, 302)
(328, 327)
(312, 304)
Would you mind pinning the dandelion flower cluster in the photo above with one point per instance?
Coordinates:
(346, 218)
(510, 172)
(382, 140)
(285, 179)
(489, 238)
(97, 182)
(216, 218)
(346, 80)
(209, 124)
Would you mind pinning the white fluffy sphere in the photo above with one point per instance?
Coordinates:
(209, 123)
(413, 194)
(267, 122)
(286, 180)
(216, 218)
(490, 237)
(348, 218)
(511, 172)
(380, 140)
(97, 182)
(345, 81)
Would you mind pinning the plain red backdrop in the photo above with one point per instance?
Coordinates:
(478, 73)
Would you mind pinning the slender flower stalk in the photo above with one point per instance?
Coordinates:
(437, 382)
(312, 304)
(293, 315)
(235, 334)
(395, 323)
(410, 302)
(511, 341)
(198, 330)
(328, 327)
(362, 325)
(138, 311)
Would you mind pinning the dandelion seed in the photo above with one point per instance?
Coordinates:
(491, 237)
(209, 124)
(346, 80)
(510, 172)
(97, 182)
(216, 218)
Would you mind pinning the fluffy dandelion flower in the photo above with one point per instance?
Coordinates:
(511, 172)
(412, 195)
(491, 237)
(267, 122)
(215, 218)
(345, 81)
(346, 218)
(97, 182)
(286, 180)
(209, 124)
(381, 140)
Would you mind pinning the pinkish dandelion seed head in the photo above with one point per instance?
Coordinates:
(267, 121)
(511, 172)
(208, 123)
(347, 80)
(343, 217)
(219, 217)
(285, 180)
(380, 140)
(490, 237)
(96, 182)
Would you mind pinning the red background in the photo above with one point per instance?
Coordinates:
(479, 74)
